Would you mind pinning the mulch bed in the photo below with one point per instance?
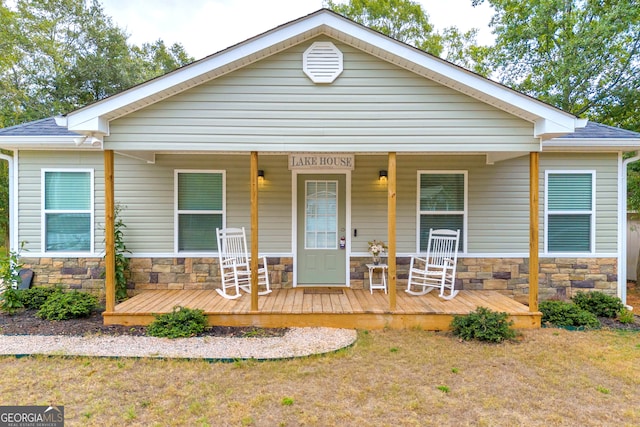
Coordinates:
(25, 322)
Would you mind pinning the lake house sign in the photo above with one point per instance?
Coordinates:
(321, 161)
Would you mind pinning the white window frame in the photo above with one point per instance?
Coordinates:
(592, 211)
(336, 182)
(178, 212)
(44, 211)
(465, 232)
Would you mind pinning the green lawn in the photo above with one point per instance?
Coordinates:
(409, 378)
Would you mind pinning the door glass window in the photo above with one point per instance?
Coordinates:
(321, 215)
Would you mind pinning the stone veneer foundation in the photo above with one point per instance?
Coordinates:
(558, 277)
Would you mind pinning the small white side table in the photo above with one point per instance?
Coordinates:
(383, 273)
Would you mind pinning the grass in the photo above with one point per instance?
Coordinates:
(548, 377)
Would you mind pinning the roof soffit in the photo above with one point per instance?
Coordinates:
(549, 121)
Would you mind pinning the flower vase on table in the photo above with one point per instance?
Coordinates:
(376, 248)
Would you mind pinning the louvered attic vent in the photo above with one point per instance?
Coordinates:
(322, 62)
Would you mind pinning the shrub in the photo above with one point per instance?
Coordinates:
(182, 322)
(10, 300)
(67, 305)
(625, 316)
(598, 303)
(563, 314)
(484, 325)
(35, 297)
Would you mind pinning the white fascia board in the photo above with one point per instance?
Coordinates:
(595, 145)
(93, 125)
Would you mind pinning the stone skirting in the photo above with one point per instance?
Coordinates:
(558, 277)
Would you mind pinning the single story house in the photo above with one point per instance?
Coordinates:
(357, 137)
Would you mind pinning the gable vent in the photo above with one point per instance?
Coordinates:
(322, 62)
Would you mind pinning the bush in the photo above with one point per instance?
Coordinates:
(563, 314)
(35, 297)
(626, 316)
(182, 322)
(10, 300)
(598, 303)
(67, 305)
(483, 325)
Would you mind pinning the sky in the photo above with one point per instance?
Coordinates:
(204, 27)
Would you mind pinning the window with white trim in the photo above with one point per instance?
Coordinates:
(199, 209)
(67, 215)
(570, 209)
(441, 204)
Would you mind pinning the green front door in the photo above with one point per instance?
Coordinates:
(321, 234)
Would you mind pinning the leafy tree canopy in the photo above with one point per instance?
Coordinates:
(58, 55)
(582, 56)
(408, 22)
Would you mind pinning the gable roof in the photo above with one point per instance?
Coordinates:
(556, 128)
(549, 121)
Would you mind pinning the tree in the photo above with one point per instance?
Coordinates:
(408, 22)
(582, 56)
(58, 55)
(63, 54)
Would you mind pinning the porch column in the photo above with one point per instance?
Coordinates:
(391, 227)
(534, 168)
(109, 233)
(253, 170)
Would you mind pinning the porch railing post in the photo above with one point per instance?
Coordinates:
(254, 230)
(534, 167)
(109, 234)
(391, 227)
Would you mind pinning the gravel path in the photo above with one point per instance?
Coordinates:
(297, 342)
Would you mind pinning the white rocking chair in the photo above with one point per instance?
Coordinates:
(235, 264)
(438, 268)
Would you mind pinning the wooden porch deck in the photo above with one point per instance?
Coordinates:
(337, 307)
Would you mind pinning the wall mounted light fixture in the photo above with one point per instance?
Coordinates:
(260, 173)
(382, 175)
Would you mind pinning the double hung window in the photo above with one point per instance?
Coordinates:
(441, 204)
(199, 209)
(570, 208)
(67, 217)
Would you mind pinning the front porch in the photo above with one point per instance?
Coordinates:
(328, 307)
